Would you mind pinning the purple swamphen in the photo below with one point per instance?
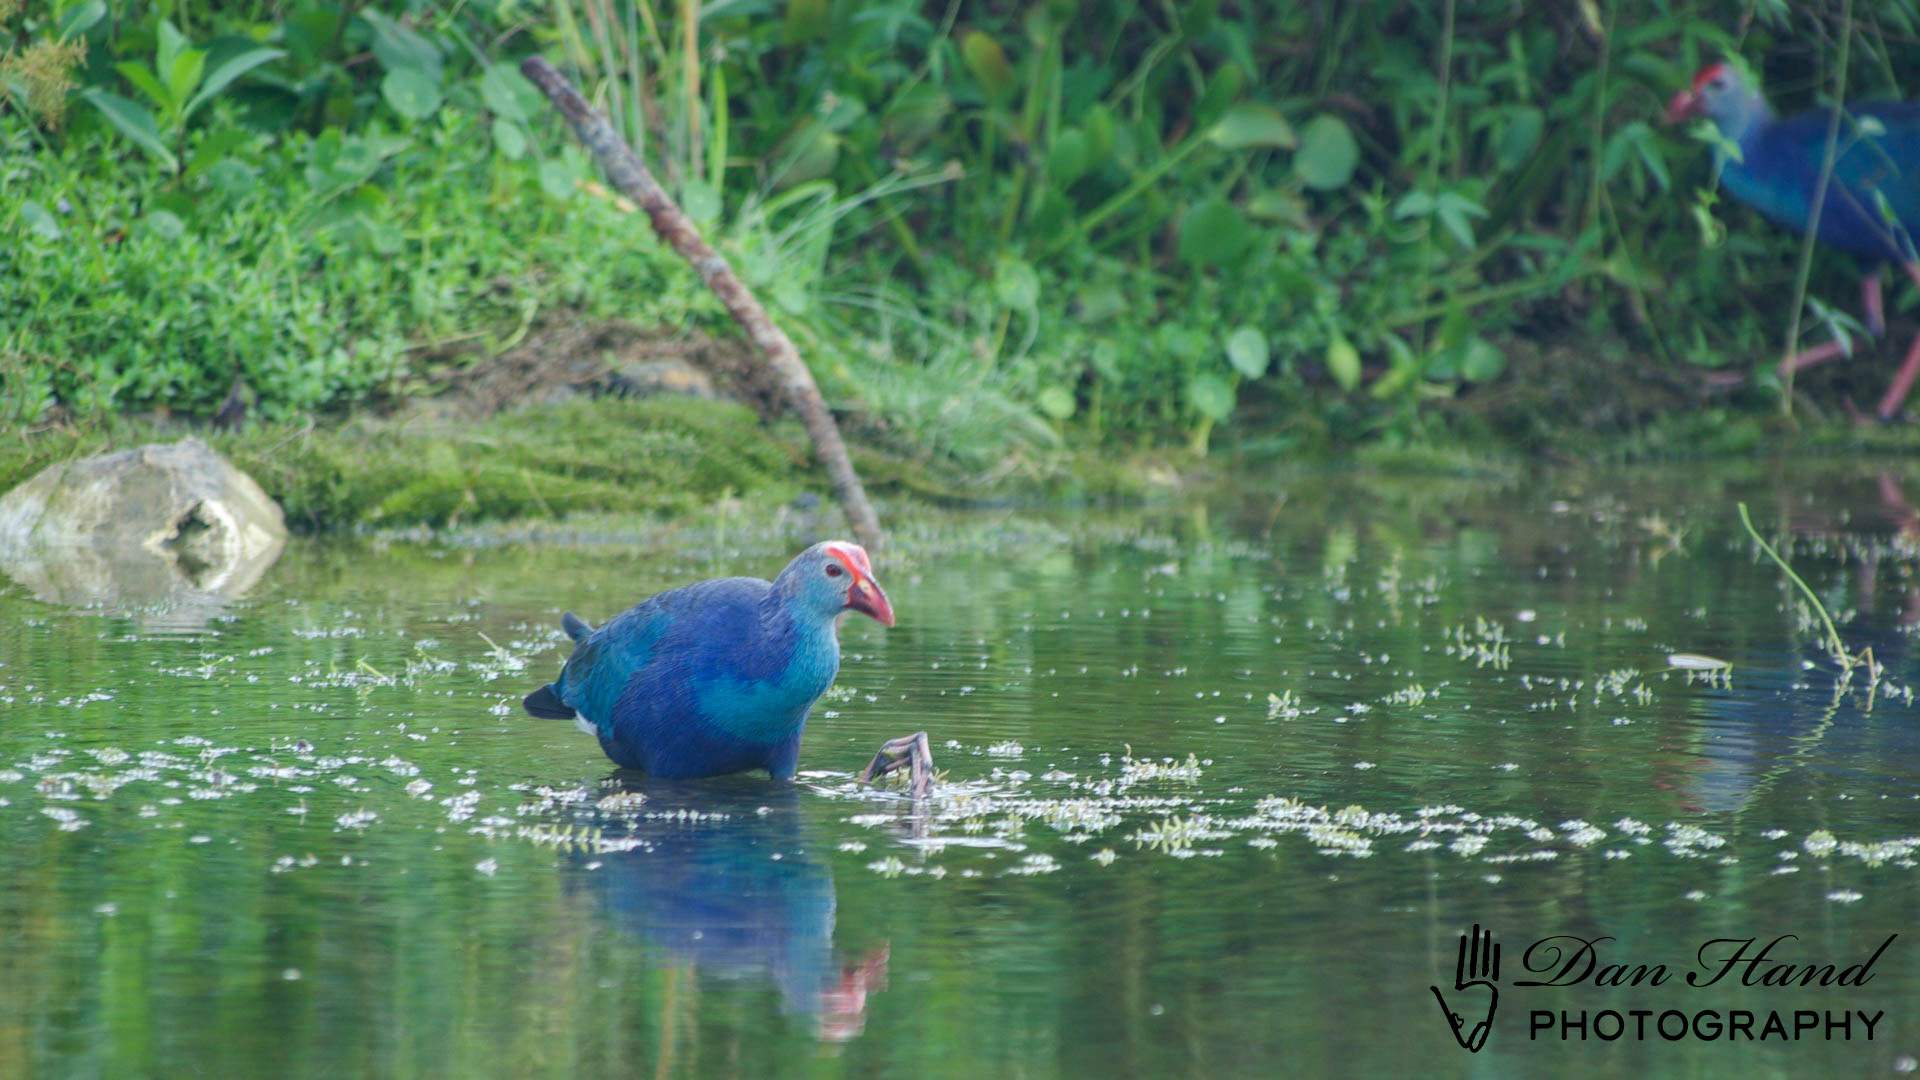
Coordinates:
(1872, 201)
(718, 677)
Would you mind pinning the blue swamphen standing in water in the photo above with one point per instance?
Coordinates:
(1872, 202)
(718, 677)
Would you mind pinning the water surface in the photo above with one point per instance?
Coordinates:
(1224, 782)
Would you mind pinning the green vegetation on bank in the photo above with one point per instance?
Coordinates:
(1001, 235)
(645, 457)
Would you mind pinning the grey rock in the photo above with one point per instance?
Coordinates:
(162, 524)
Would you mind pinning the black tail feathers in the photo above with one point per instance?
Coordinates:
(575, 626)
(546, 705)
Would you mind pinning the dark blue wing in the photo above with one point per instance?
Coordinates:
(661, 630)
(1873, 199)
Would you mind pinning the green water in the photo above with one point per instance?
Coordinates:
(1224, 784)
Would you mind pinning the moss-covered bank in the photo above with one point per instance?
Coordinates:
(676, 457)
(651, 456)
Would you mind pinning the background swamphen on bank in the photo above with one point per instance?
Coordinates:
(1872, 198)
(718, 677)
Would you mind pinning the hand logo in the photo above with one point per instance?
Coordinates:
(1478, 968)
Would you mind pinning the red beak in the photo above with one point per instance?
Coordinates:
(864, 594)
(866, 597)
(1684, 106)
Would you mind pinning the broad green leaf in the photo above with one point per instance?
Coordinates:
(1615, 155)
(1247, 351)
(1519, 137)
(80, 18)
(165, 224)
(1650, 156)
(1105, 359)
(988, 62)
(1213, 233)
(144, 80)
(917, 113)
(134, 122)
(1276, 204)
(230, 69)
(508, 93)
(1414, 204)
(1015, 285)
(1403, 368)
(1480, 360)
(1057, 402)
(1249, 125)
(1101, 128)
(183, 76)
(1453, 210)
(398, 47)
(701, 201)
(411, 93)
(1221, 91)
(556, 179)
(1067, 159)
(509, 139)
(1328, 154)
(1211, 396)
(171, 44)
(1343, 362)
(39, 222)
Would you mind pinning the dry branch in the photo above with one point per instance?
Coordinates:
(632, 179)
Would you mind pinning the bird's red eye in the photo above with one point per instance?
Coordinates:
(834, 571)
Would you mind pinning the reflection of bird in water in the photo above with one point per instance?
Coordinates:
(737, 893)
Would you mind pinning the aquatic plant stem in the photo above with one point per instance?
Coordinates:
(1835, 646)
(630, 176)
(1804, 270)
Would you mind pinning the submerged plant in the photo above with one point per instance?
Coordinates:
(1837, 649)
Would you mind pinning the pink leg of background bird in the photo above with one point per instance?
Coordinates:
(1909, 368)
(1807, 358)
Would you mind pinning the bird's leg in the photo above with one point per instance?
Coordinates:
(1902, 383)
(908, 751)
(1807, 358)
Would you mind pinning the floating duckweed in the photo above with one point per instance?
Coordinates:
(1134, 771)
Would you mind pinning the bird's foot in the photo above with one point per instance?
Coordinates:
(911, 752)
